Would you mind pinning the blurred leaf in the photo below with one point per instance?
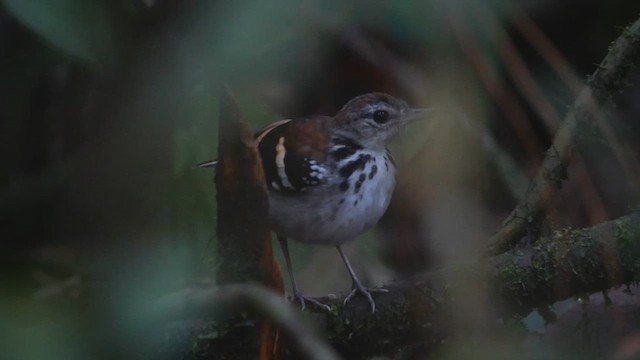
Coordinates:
(80, 28)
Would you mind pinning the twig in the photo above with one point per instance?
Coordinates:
(607, 81)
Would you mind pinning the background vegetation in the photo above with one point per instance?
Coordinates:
(105, 106)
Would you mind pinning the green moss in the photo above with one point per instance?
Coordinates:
(627, 234)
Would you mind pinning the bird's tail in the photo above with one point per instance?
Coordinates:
(206, 164)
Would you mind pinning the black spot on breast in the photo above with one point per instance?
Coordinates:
(357, 164)
(355, 203)
(344, 186)
(359, 183)
(343, 152)
(374, 170)
(389, 158)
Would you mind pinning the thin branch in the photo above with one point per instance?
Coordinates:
(530, 31)
(505, 101)
(534, 95)
(608, 80)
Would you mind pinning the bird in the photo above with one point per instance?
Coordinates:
(330, 178)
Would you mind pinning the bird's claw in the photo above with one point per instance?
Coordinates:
(304, 299)
(357, 286)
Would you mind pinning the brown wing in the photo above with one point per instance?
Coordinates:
(294, 153)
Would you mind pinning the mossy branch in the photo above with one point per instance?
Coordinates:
(611, 78)
(572, 262)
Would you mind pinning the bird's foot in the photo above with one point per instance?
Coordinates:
(358, 287)
(302, 299)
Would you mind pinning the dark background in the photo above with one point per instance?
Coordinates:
(105, 106)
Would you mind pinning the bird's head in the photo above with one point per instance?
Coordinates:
(373, 119)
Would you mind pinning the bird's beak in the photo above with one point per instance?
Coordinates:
(419, 114)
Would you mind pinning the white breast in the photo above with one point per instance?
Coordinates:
(333, 213)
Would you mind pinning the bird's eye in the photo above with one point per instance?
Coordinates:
(381, 116)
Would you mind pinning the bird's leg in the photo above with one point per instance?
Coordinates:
(294, 286)
(357, 285)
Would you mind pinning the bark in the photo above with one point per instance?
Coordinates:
(421, 310)
(244, 234)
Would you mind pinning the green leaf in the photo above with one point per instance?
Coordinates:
(81, 29)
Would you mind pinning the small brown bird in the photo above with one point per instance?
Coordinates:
(331, 178)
